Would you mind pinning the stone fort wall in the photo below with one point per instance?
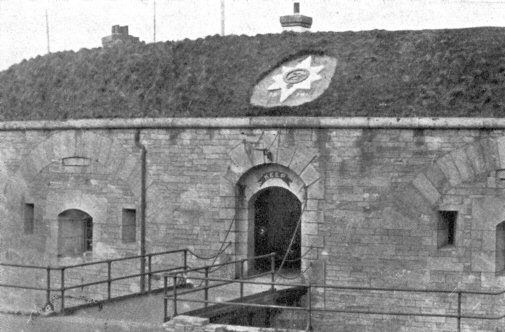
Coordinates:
(371, 196)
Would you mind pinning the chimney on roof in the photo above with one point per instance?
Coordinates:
(119, 35)
(296, 22)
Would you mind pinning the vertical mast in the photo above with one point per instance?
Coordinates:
(222, 17)
(154, 21)
(47, 33)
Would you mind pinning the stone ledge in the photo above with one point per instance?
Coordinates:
(260, 122)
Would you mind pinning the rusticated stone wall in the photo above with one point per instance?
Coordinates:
(370, 199)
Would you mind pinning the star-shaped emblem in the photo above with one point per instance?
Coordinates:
(299, 77)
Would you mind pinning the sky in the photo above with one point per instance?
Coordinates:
(76, 24)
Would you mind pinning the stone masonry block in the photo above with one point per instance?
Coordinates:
(476, 156)
(240, 159)
(310, 175)
(312, 216)
(490, 152)
(448, 167)
(426, 188)
(463, 164)
(316, 191)
(310, 228)
(500, 144)
(437, 178)
(257, 156)
(285, 155)
(312, 205)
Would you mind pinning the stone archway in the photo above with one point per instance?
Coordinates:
(273, 151)
(253, 186)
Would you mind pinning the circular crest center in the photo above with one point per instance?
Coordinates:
(296, 76)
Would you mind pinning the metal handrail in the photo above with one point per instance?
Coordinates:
(62, 289)
(459, 315)
(206, 280)
(104, 261)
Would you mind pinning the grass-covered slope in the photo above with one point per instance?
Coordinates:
(379, 73)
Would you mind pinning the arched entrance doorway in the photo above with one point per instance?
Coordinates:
(276, 228)
(75, 233)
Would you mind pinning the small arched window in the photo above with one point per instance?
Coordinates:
(75, 233)
(500, 247)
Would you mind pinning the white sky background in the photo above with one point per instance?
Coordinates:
(76, 24)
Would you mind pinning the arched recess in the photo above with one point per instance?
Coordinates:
(422, 195)
(250, 185)
(116, 163)
(95, 207)
(75, 233)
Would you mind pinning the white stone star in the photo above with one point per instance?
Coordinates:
(299, 77)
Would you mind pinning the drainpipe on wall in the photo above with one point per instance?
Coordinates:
(142, 209)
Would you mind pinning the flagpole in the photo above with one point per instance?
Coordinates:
(154, 21)
(47, 33)
(222, 17)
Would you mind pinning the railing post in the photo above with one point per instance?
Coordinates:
(142, 271)
(48, 290)
(109, 282)
(206, 289)
(149, 275)
(272, 270)
(459, 311)
(62, 308)
(241, 278)
(165, 299)
(175, 294)
(185, 260)
(309, 311)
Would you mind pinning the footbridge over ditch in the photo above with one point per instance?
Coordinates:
(172, 288)
(168, 287)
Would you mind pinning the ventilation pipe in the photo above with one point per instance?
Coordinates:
(143, 171)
